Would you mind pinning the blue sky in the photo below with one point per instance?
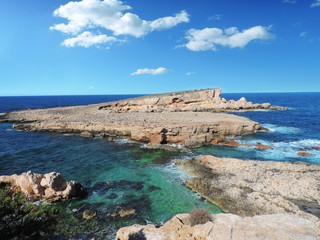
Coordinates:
(148, 46)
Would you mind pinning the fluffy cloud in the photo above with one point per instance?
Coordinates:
(208, 38)
(290, 1)
(110, 15)
(316, 3)
(87, 39)
(157, 71)
(190, 73)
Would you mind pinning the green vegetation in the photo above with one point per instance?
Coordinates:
(199, 216)
(20, 219)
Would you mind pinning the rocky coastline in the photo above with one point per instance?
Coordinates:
(262, 200)
(189, 118)
(248, 187)
(226, 227)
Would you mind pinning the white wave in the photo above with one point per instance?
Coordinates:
(283, 150)
(123, 141)
(282, 129)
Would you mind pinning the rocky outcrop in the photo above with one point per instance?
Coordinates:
(226, 227)
(51, 186)
(195, 100)
(256, 187)
(187, 128)
(186, 118)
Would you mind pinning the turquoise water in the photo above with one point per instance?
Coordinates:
(142, 179)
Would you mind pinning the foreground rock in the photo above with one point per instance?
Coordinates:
(51, 186)
(195, 101)
(226, 227)
(256, 187)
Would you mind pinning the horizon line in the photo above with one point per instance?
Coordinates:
(106, 94)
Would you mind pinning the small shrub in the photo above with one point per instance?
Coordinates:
(137, 236)
(199, 216)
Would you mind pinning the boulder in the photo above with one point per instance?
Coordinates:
(51, 186)
(262, 147)
(86, 134)
(303, 154)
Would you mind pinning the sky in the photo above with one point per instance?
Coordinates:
(92, 47)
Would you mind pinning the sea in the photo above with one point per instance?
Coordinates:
(146, 180)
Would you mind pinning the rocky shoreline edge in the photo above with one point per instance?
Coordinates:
(263, 200)
(187, 118)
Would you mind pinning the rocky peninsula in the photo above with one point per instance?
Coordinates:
(190, 118)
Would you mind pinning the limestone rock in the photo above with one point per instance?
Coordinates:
(256, 187)
(86, 134)
(51, 186)
(178, 118)
(226, 227)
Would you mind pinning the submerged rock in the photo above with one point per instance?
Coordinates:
(304, 154)
(226, 227)
(89, 214)
(51, 186)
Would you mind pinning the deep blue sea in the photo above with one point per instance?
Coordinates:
(146, 180)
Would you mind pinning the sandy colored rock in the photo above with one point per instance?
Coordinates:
(262, 146)
(304, 154)
(86, 134)
(227, 227)
(189, 128)
(89, 214)
(194, 100)
(250, 188)
(51, 186)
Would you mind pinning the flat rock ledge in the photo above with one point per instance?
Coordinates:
(227, 227)
(251, 188)
(190, 129)
(51, 187)
(187, 118)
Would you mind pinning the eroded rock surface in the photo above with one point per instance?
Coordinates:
(256, 187)
(51, 186)
(226, 227)
(189, 128)
(195, 101)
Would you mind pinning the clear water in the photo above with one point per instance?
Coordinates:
(292, 131)
(145, 179)
(153, 186)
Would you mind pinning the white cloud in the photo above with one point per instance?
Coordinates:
(190, 73)
(215, 17)
(316, 3)
(157, 71)
(208, 38)
(110, 15)
(303, 34)
(87, 39)
(290, 1)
